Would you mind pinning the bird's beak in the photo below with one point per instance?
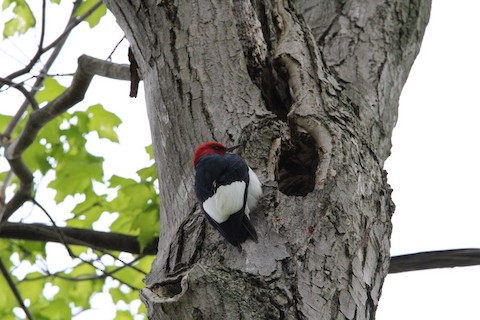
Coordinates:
(230, 149)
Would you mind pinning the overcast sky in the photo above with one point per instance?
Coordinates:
(434, 169)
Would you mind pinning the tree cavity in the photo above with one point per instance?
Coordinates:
(297, 165)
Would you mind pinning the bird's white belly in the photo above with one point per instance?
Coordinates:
(226, 201)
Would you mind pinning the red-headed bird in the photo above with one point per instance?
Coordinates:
(227, 190)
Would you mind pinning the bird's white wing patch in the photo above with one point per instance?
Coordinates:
(226, 201)
(254, 191)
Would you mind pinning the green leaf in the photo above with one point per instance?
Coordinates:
(21, 22)
(132, 277)
(142, 309)
(148, 173)
(81, 292)
(6, 250)
(8, 315)
(117, 294)
(51, 90)
(34, 249)
(149, 151)
(149, 227)
(4, 121)
(145, 264)
(123, 315)
(35, 159)
(75, 173)
(103, 122)
(31, 289)
(7, 299)
(77, 250)
(92, 205)
(58, 309)
(83, 270)
(117, 181)
(123, 224)
(50, 131)
(82, 121)
(137, 196)
(95, 17)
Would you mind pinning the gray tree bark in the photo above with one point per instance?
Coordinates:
(311, 91)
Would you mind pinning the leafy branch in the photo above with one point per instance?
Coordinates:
(18, 150)
(88, 67)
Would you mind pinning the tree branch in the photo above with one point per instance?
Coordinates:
(126, 243)
(87, 68)
(76, 236)
(435, 259)
(22, 89)
(104, 68)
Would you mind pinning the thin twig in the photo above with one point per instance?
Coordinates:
(39, 81)
(73, 24)
(113, 276)
(62, 274)
(59, 232)
(65, 242)
(109, 58)
(15, 291)
(22, 89)
(58, 44)
(43, 28)
(56, 75)
(70, 252)
(104, 252)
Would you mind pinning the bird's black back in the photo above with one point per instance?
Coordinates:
(213, 171)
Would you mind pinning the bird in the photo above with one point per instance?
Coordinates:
(227, 190)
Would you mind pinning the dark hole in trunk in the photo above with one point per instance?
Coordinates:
(297, 165)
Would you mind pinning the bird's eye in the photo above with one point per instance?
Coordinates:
(216, 148)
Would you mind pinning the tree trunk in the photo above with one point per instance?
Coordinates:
(310, 89)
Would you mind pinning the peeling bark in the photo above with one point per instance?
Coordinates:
(311, 94)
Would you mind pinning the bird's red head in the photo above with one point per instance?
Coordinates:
(208, 148)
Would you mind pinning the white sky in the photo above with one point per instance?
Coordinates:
(433, 168)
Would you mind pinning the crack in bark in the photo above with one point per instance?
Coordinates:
(186, 247)
(262, 68)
